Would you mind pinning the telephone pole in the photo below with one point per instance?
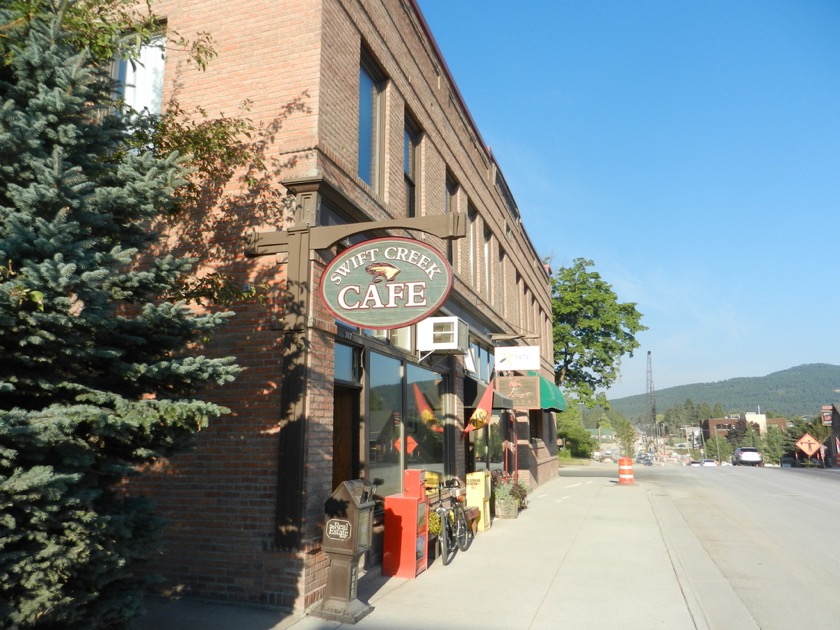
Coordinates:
(651, 401)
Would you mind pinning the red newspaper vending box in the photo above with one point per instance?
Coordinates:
(405, 552)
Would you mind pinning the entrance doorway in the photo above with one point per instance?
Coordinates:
(346, 428)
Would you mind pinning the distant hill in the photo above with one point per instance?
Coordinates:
(798, 390)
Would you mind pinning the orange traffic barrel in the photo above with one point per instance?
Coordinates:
(625, 471)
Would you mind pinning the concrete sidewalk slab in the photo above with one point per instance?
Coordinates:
(587, 552)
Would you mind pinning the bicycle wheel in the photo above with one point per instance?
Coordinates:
(447, 540)
(464, 534)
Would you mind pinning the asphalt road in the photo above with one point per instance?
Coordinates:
(772, 532)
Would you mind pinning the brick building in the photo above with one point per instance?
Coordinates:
(722, 426)
(364, 125)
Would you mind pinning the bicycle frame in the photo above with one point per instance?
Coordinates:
(455, 532)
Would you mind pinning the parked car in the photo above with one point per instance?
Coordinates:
(747, 456)
(708, 462)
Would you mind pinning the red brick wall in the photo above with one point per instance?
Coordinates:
(220, 498)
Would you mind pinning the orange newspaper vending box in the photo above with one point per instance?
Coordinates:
(406, 543)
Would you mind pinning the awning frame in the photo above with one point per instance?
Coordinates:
(551, 398)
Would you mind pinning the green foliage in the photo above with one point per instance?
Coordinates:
(99, 371)
(687, 414)
(626, 435)
(510, 490)
(107, 29)
(577, 439)
(492, 447)
(592, 331)
(796, 391)
(774, 445)
(800, 426)
(435, 527)
(719, 448)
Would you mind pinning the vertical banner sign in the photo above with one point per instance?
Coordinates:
(386, 283)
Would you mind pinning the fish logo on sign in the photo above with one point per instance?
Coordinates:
(382, 271)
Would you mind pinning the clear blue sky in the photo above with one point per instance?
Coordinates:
(691, 149)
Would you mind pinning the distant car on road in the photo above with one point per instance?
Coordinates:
(708, 462)
(747, 456)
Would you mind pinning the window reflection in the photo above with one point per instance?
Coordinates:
(346, 363)
(489, 445)
(413, 441)
(424, 419)
(385, 422)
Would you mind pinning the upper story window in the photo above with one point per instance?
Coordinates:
(480, 361)
(472, 227)
(411, 169)
(397, 337)
(450, 207)
(140, 81)
(371, 90)
(501, 280)
(506, 195)
(488, 275)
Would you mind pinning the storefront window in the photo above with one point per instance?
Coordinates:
(424, 419)
(489, 450)
(385, 422)
(406, 420)
(346, 363)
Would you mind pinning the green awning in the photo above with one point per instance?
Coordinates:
(551, 398)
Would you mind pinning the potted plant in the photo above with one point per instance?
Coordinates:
(509, 497)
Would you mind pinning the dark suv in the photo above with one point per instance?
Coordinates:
(747, 456)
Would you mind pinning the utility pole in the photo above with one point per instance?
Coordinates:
(651, 400)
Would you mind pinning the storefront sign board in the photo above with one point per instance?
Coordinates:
(517, 358)
(524, 391)
(386, 283)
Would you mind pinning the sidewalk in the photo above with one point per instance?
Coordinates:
(586, 553)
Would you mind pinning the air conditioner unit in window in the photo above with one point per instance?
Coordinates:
(445, 335)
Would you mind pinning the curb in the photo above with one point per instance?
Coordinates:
(710, 599)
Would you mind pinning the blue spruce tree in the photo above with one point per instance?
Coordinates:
(98, 370)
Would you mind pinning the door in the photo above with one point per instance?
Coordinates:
(346, 461)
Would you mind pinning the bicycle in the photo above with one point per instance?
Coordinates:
(455, 531)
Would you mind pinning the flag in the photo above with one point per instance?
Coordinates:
(481, 416)
(427, 414)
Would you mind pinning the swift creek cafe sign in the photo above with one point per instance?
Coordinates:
(386, 283)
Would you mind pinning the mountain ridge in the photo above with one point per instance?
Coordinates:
(799, 390)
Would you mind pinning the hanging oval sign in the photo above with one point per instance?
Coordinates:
(386, 283)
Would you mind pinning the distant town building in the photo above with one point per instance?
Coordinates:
(759, 419)
(722, 426)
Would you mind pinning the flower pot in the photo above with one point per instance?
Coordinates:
(507, 509)
(433, 550)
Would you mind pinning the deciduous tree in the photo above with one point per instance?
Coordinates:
(592, 331)
(626, 435)
(577, 440)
